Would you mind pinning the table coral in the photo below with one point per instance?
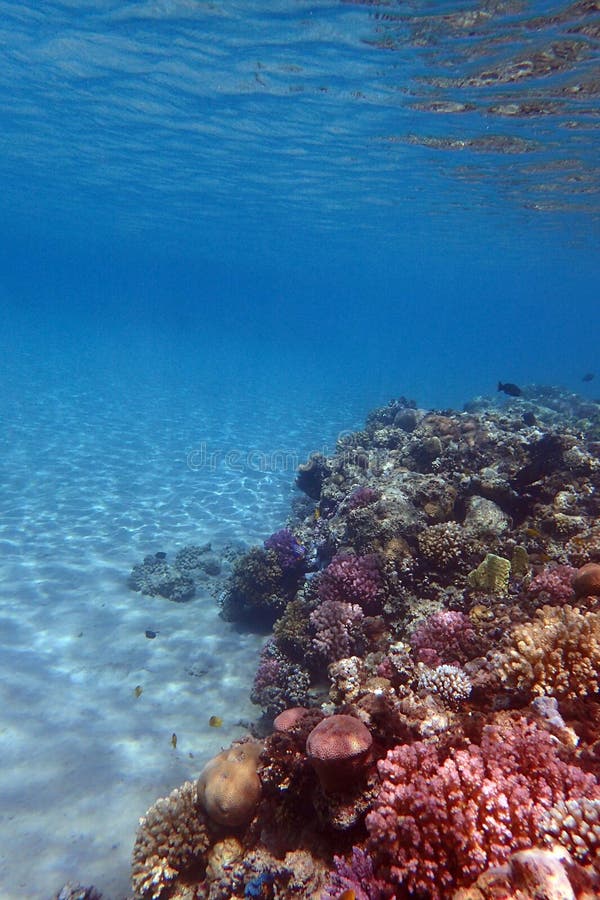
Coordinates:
(438, 823)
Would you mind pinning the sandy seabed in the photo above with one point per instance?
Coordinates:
(90, 486)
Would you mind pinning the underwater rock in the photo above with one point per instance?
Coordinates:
(156, 578)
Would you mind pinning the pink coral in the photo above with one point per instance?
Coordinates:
(438, 823)
(335, 626)
(553, 585)
(445, 637)
(353, 579)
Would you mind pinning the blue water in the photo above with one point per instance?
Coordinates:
(228, 231)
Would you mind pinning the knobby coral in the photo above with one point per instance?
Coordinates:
(172, 839)
(557, 654)
(438, 823)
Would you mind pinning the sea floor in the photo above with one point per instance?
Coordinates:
(92, 481)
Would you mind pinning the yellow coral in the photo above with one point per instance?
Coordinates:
(519, 562)
(491, 575)
(229, 787)
(557, 654)
(172, 837)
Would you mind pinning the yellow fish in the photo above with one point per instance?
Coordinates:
(138, 690)
(215, 721)
(348, 895)
(174, 741)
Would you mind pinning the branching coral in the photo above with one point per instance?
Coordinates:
(171, 840)
(439, 822)
(291, 554)
(278, 683)
(558, 654)
(444, 545)
(256, 588)
(336, 628)
(353, 579)
(445, 637)
(553, 585)
(451, 684)
(355, 877)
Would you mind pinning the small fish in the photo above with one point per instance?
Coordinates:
(150, 634)
(529, 418)
(138, 690)
(347, 895)
(589, 376)
(513, 390)
(215, 721)
(174, 741)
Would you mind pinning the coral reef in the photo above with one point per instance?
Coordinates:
(430, 693)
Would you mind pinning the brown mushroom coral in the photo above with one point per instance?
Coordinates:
(339, 749)
(229, 787)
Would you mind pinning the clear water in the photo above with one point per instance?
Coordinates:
(230, 229)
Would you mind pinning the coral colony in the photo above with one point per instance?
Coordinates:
(430, 690)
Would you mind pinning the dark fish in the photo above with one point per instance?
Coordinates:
(513, 390)
(529, 418)
(138, 689)
(589, 376)
(150, 634)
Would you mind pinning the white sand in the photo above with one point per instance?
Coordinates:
(94, 476)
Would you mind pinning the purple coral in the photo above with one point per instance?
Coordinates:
(553, 585)
(438, 823)
(335, 626)
(353, 579)
(356, 875)
(445, 637)
(361, 497)
(291, 554)
(278, 682)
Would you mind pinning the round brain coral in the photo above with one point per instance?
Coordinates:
(229, 787)
(339, 748)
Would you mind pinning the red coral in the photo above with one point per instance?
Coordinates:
(353, 579)
(438, 823)
(445, 637)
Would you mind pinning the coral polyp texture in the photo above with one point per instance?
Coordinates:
(428, 697)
